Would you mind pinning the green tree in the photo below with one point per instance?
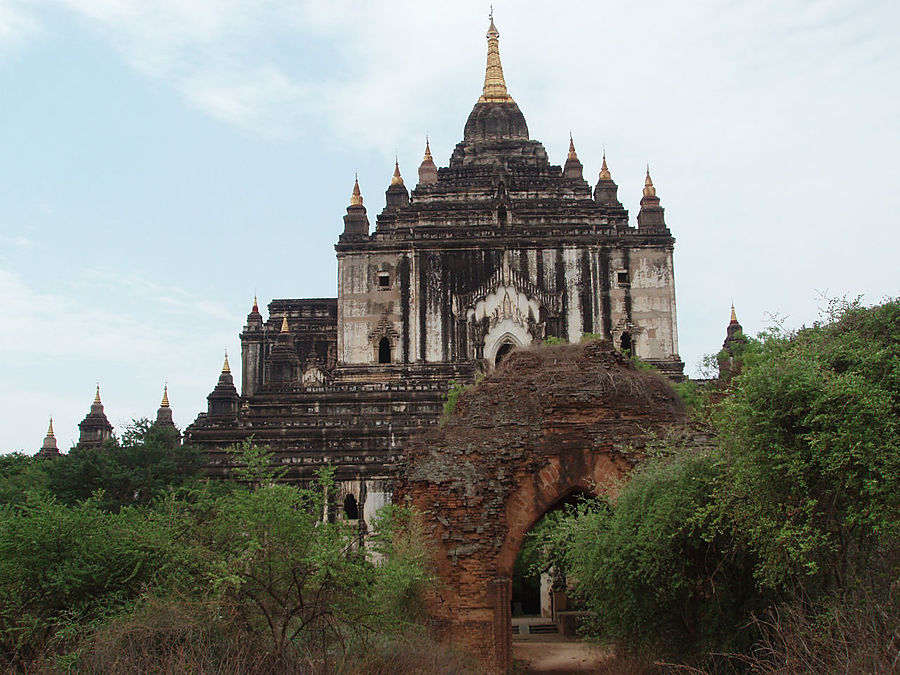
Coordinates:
(140, 468)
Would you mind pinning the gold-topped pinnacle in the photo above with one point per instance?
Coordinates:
(255, 304)
(284, 325)
(604, 170)
(50, 429)
(427, 157)
(225, 367)
(733, 314)
(397, 179)
(356, 198)
(494, 90)
(165, 399)
(97, 395)
(572, 153)
(649, 190)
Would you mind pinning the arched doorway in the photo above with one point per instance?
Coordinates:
(625, 344)
(538, 593)
(384, 351)
(502, 351)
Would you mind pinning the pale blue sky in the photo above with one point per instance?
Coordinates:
(161, 160)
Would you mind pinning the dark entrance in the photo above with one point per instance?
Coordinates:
(625, 343)
(384, 351)
(505, 349)
(528, 586)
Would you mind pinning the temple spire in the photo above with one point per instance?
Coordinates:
(734, 318)
(284, 325)
(165, 399)
(97, 395)
(49, 449)
(255, 304)
(396, 179)
(356, 198)
(604, 170)
(225, 367)
(573, 168)
(572, 153)
(649, 190)
(494, 90)
(427, 169)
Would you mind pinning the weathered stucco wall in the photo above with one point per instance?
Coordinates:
(546, 423)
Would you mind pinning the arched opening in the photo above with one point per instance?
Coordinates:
(384, 351)
(351, 508)
(538, 597)
(501, 215)
(625, 344)
(504, 349)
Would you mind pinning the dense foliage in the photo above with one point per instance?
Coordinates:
(173, 573)
(793, 513)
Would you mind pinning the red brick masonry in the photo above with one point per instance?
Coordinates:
(548, 422)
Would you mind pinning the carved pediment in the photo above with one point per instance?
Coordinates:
(508, 278)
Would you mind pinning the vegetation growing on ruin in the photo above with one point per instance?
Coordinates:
(781, 542)
(154, 572)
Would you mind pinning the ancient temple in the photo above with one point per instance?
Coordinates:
(48, 447)
(497, 250)
(95, 427)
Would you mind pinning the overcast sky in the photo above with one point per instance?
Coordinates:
(161, 160)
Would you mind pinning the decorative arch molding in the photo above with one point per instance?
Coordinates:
(384, 329)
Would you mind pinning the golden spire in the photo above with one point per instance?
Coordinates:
(572, 154)
(50, 429)
(427, 157)
(255, 304)
(284, 325)
(649, 190)
(733, 314)
(165, 399)
(356, 197)
(397, 178)
(494, 85)
(225, 367)
(97, 395)
(604, 170)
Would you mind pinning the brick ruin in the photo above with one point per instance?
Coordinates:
(549, 422)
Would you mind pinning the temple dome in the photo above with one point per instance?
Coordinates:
(495, 121)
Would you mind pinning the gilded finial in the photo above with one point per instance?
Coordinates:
(649, 190)
(97, 395)
(494, 90)
(165, 399)
(604, 170)
(225, 367)
(733, 314)
(284, 325)
(356, 198)
(255, 304)
(427, 157)
(397, 179)
(50, 429)
(572, 154)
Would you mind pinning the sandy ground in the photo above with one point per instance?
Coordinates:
(558, 656)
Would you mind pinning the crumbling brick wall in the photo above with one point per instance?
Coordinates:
(548, 422)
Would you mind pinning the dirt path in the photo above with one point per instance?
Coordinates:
(558, 657)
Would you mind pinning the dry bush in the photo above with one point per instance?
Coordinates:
(166, 636)
(858, 632)
(412, 653)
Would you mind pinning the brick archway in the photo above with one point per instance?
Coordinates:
(549, 421)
